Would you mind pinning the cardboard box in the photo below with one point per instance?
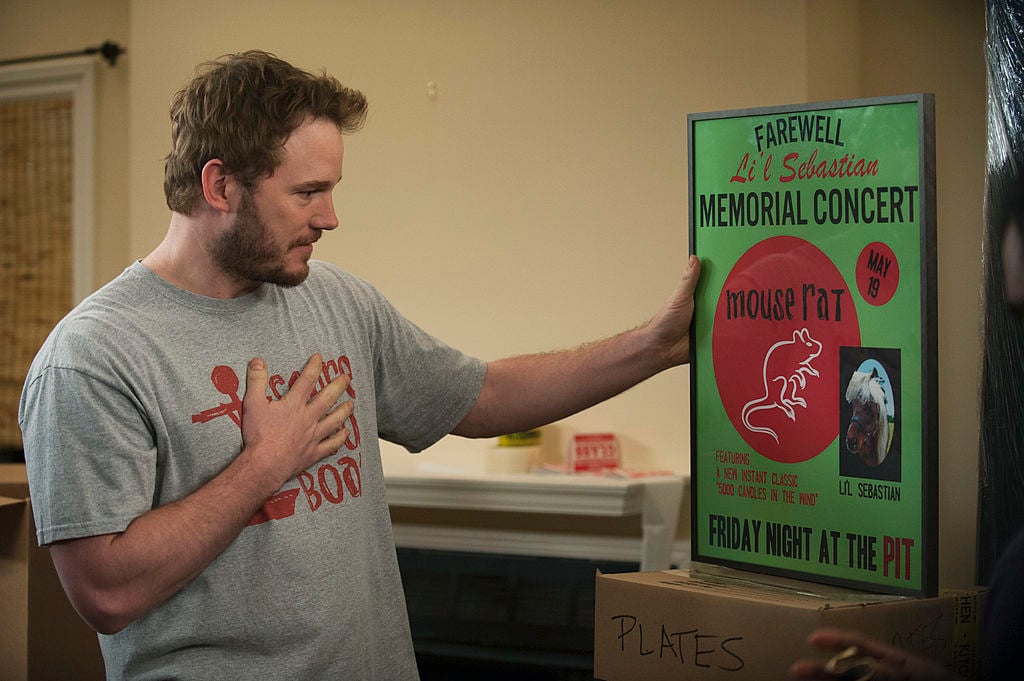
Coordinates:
(715, 623)
(41, 635)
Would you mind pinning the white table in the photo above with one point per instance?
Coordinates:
(656, 499)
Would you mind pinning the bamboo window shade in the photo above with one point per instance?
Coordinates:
(35, 240)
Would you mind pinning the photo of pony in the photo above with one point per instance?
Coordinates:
(869, 439)
(870, 427)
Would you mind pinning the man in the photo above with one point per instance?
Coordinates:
(211, 534)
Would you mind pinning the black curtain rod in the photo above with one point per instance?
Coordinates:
(108, 50)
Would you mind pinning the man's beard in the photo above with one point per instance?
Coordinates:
(248, 251)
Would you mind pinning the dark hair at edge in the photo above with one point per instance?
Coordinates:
(241, 109)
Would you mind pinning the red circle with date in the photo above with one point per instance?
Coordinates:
(878, 273)
(781, 318)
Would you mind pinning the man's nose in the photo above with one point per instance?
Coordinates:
(326, 217)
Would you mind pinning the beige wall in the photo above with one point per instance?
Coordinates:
(540, 199)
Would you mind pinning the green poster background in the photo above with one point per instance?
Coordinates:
(815, 226)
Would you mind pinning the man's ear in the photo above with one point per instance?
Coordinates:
(218, 189)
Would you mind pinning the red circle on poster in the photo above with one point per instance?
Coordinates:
(781, 318)
(878, 273)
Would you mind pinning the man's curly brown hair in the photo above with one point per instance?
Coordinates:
(241, 109)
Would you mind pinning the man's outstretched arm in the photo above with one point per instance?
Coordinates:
(528, 391)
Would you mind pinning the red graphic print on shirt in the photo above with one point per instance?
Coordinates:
(225, 380)
(332, 480)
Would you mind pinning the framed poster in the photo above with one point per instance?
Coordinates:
(813, 377)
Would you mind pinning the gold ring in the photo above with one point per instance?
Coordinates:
(851, 665)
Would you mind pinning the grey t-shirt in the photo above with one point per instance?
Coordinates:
(134, 402)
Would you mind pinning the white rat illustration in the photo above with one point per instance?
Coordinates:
(787, 364)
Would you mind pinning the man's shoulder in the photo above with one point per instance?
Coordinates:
(131, 283)
(322, 270)
(326, 275)
(103, 318)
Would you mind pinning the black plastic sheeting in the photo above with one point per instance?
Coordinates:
(1001, 480)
